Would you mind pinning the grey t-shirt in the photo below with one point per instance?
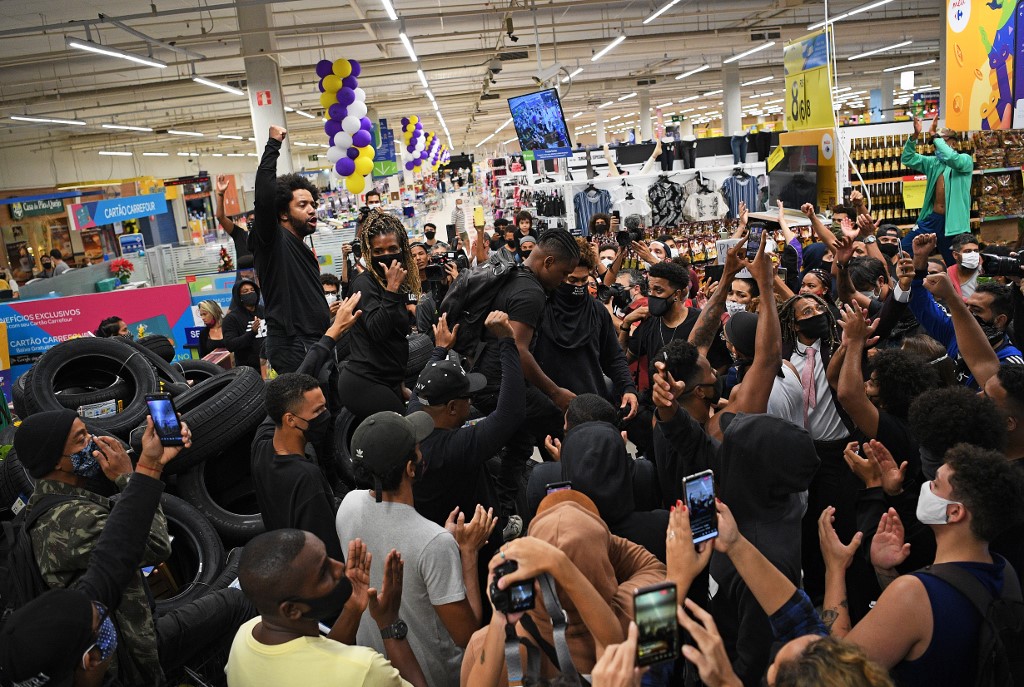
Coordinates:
(433, 577)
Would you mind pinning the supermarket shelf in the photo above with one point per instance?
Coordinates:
(997, 170)
(977, 172)
(995, 218)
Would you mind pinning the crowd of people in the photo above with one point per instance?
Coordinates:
(862, 416)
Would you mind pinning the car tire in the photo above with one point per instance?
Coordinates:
(195, 371)
(197, 554)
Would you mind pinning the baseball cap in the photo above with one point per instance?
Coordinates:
(385, 440)
(445, 380)
(43, 641)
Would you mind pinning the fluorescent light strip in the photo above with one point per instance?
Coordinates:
(155, 154)
(47, 120)
(485, 140)
(747, 53)
(608, 48)
(664, 105)
(689, 99)
(430, 96)
(236, 154)
(118, 153)
(408, 46)
(604, 105)
(708, 94)
(765, 79)
(578, 114)
(628, 96)
(851, 13)
(188, 154)
(213, 84)
(89, 46)
(390, 9)
(909, 66)
(658, 13)
(125, 127)
(573, 74)
(217, 154)
(511, 140)
(869, 53)
(231, 137)
(507, 122)
(289, 109)
(423, 78)
(175, 132)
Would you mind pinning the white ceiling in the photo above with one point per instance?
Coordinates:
(455, 40)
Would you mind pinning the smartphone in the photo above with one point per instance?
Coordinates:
(700, 499)
(165, 418)
(783, 273)
(558, 486)
(616, 214)
(754, 239)
(654, 608)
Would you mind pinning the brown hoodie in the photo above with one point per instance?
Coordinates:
(615, 567)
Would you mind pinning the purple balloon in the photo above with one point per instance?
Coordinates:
(410, 166)
(405, 121)
(331, 128)
(352, 153)
(345, 166)
(365, 124)
(350, 81)
(361, 138)
(324, 68)
(356, 67)
(410, 148)
(346, 96)
(337, 111)
(419, 127)
(320, 85)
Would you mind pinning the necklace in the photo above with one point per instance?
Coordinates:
(661, 332)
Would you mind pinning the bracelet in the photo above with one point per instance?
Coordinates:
(921, 274)
(624, 327)
(157, 470)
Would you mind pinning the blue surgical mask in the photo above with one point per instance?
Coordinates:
(106, 638)
(84, 464)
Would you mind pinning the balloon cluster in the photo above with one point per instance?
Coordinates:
(348, 129)
(422, 147)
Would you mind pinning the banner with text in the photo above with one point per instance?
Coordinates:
(110, 210)
(808, 86)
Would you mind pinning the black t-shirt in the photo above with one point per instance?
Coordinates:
(378, 348)
(895, 435)
(653, 334)
(243, 255)
(522, 299)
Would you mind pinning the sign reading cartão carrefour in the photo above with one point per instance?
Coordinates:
(110, 210)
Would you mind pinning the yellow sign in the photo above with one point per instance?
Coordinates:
(980, 79)
(913, 191)
(775, 158)
(808, 83)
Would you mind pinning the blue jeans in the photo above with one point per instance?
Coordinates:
(739, 149)
(932, 224)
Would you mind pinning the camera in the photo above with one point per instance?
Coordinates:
(626, 236)
(495, 66)
(437, 264)
(516, 597)
(1000, 265)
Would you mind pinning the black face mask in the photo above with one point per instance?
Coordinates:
(524, 254)
(571, 292)
(600, 228)
(316, 427)
(511, 243)
(814, 327)
(430, 235)
(381, 263)
(716, 391)
(495, 244)
(328, 606)
(889, 250)
(992, 332)
(658, 306)
(249, 299)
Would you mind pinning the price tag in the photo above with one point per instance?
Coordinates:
(776, 157)
(914, 188)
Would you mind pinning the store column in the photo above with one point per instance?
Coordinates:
(646, 133)
(888, 90)
(732, 117)
(266, 101)
(601, 139)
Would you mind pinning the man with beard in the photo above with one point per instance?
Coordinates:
(285, 213)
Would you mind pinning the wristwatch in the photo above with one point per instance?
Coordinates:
(869, 239)
(396, 630)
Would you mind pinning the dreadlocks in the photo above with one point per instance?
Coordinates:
(787, 318)
(560, 244)
(377, 223)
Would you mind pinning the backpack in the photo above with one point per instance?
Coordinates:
(1000, 661)
(469, 300)
(20, 579)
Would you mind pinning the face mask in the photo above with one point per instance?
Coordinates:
(525, 254)
(47, 265)
(889, 250)
(381, 263)
(658, 306)
(106, 640)
(672, 253)
(571, 291)
(600, 228)
(249, 299)
(329, 605)
(373, 206)
(430, 235)
(732, 307)
(992, 332)
(511, 243)
(970, 261)
(931, 508)
(84, 464)
(607, 262)
(814, 327)
(332, 298)
(711, 397)
(316, 428)
(495, 244)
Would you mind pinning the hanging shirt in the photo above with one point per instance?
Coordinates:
(705, 205)
(588, 203)
(737, 189)
(630, 207)
(666, 202)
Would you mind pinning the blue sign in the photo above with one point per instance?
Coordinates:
(551, 153)
(192, 336)
(110, 210)
(132, 243)
(385, 139)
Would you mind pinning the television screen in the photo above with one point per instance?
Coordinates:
(794, 180)
(540, 124)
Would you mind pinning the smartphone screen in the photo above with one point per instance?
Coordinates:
(654, 608)
(754, 240)
(165, 418)
(558, 486)
(700, 499)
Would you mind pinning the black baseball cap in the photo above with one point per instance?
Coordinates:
(445, 381)
(385, 440)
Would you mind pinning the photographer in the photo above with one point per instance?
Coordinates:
(437, 274)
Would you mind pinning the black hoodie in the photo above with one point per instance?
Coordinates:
(238, 336)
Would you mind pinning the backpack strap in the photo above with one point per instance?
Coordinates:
(562, 658)
(969, 585)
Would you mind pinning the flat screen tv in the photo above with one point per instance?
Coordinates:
(794, 180)
(540, 124)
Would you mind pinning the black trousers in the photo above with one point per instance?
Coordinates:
(286, 353)
(201, 627)
(363, 397)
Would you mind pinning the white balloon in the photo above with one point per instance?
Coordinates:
(360, 95)
(357, 110)
(419, 147)
(334, 153)
(343, 140)
(350, 124)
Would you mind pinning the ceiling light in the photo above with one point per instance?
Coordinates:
(773, 102)
(289, 109)
(869, 53)
(125, 127)
(155, 154)
(604, 105)
(689, 109)
(759, 48)
(251, 155)
(408, 46)
(765, 79)
(188, 154)
(231, 137)
(573, 74)
(688, 100)
(423, 77)
(608, 48)
(89, 46)
(664, 8)
(711, 93)
(865, 8)
(430, 96)
(118, 153)
(909, 66)
(628, 96)
(252, 139)
(578, 114)
(236, 154)
(48, 120)
(612, 119)
(217, 154)
(507, 122)
(305, 114)
(841, 90)
(697, 70)
(511, 140)
(213, 84)
(485, 140)
(390, 9)
(664, 105)
(175, 132)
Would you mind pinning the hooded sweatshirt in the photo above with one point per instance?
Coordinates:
(238, 337)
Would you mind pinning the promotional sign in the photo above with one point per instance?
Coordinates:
(131, 243)
(35, 326)
(925, 105)
(99, 212)
(913, 191)
(808, 82)
(981, 45)
(211, 287)
(35, 208)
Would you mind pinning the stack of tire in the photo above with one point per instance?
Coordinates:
(215, 506)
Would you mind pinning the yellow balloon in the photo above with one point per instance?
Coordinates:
(355, 183)
(332, 83)
(364, 165)
(342, 68)
(327, 99)
(367, 151)
(413, 120)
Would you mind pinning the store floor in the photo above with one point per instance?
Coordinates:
(443, 216)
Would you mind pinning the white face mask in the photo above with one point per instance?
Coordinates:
(732, 307)
(607, 262)
(672, 253)
(970, 261)
(931, 508)
(373, 206)
(332, 298)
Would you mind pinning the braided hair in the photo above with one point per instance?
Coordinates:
(787, 319)
(378, 223)
(560, 244)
